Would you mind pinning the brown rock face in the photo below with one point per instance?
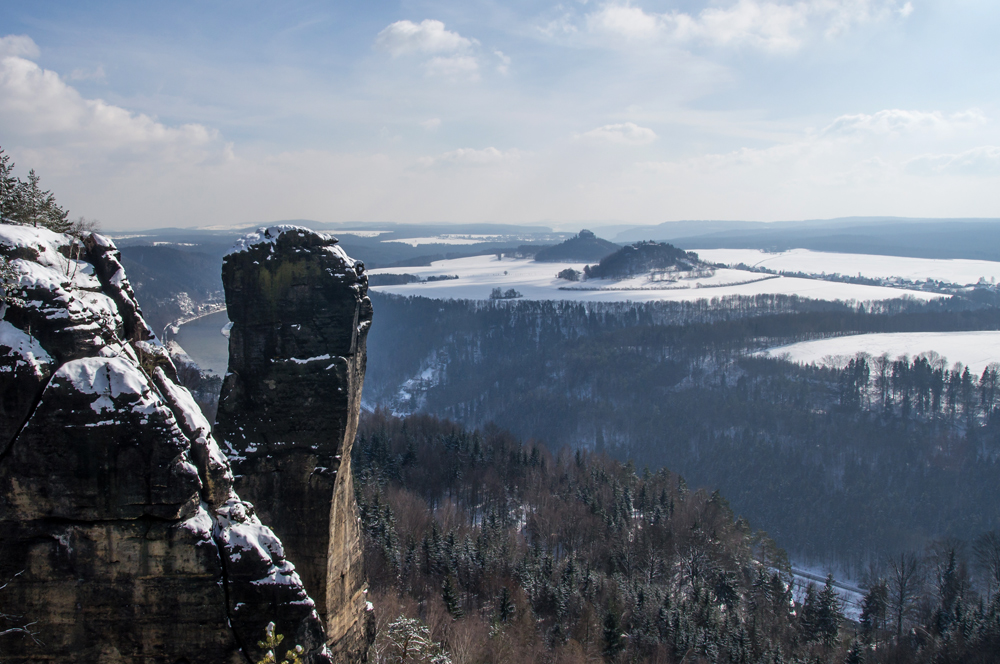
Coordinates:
(121, 539)
(289, 409)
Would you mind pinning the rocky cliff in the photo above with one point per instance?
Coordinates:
(121, 537)
(289, 407)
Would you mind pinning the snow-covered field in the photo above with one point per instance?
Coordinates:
(448, 239)
(973, 349)
(875, 267)
(479, 275)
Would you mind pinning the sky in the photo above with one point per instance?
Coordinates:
(215, 113)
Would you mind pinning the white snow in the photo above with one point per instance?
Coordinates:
(478, 275)
(339, 252)
(267, 235)
(109, 378)
(190, 410)
(200, 523)
(973, 349)
(307, 360)
(960, 272)
(361, 233)
(447, 239)
(25, 346)
(74, 285)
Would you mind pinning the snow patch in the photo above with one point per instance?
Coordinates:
(28, 349)
(109, 378)
(268, 235)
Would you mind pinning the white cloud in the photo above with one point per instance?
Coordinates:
(627, 133)
(454, 67)
(37, 103)
(472, 157)
(766, 25)
(431, 124)
(504, 61)
(427, 37)
(454, 55)
(981, 161)
(18, 46)
(900, 121)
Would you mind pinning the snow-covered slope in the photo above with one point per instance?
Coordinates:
(479, 275)
(973, 349)
(875, 267)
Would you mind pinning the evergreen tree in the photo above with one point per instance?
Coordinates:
(614, 639)
(874, 611)
(505, 605)
(25, 203)
(452, 602)
(829, 614)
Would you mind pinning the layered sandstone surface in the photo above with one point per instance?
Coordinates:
(121, 537)
(289, 407)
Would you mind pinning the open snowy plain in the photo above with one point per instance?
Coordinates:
(479, 275)
(960, 272)
(973, 349)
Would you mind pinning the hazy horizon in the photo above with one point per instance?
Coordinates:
(560, 114)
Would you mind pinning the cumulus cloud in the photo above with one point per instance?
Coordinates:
(426, 37)
(453, 53)
(763, 24)
(981, 161)
(472, 157)
(18, 46)
(38, 107)
(627, 133)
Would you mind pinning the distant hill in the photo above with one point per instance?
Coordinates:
(639, 258)
(585, 247)
(889, 236)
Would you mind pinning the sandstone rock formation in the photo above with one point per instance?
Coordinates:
(289, 407)
(121, 538)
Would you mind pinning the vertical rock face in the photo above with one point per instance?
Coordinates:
(121, 538)
(289, 408)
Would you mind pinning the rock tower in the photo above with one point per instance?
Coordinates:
(289, 408)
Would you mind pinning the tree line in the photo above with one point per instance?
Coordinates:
(483, 548)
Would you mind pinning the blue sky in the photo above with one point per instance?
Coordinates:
(148, 114)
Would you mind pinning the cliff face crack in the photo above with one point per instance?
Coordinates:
(225, 592)
(34, 406)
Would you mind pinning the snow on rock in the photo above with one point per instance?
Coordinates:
(215, 471)
(109, 379)
(269, 235)
(26, 349)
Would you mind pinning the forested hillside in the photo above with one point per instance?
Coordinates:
(482, 549)
(676, 386)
